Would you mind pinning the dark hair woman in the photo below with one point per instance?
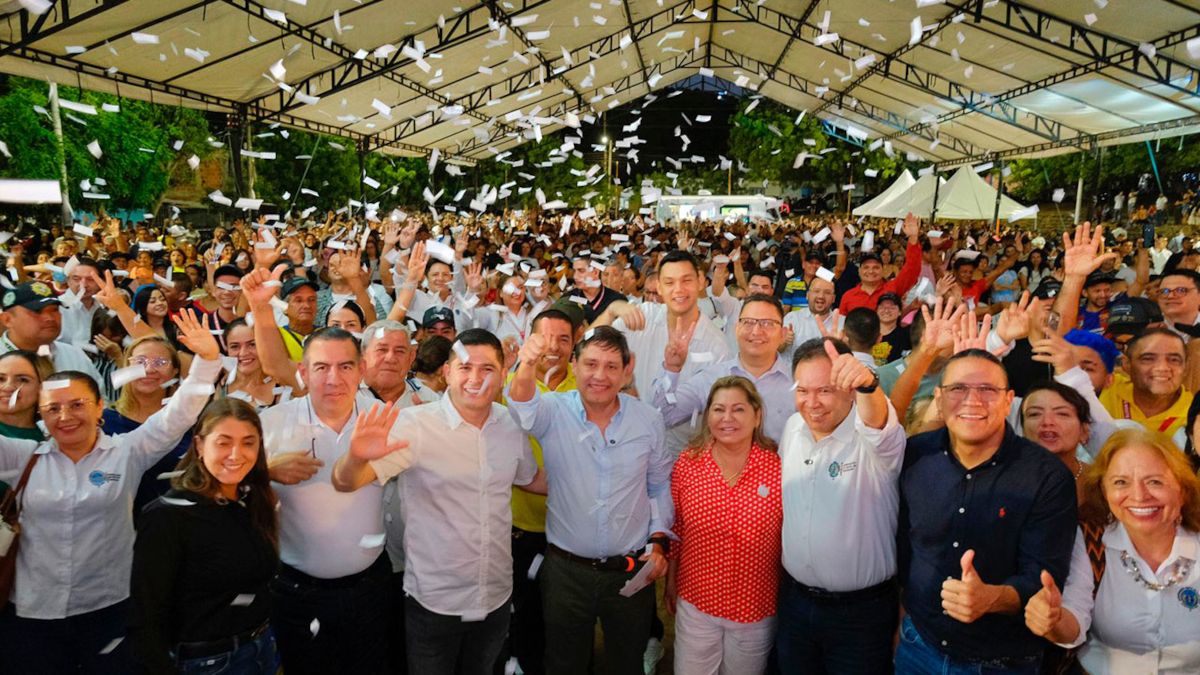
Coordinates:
(205, 552)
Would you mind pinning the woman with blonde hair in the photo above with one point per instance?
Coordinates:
(728, 499)
(1130, 600)
(205, 553)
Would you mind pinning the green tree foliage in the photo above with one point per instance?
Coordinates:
(137, 143)
(550, 163)
(1121, 168)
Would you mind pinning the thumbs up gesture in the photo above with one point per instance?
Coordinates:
(968, 598)
(1045, 607)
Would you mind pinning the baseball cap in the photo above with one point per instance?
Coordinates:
(294, 283)
(572, 309)
(1130, 316)
(32, 295)
(870, 256)
(436, 315)
(1098, 278)
(1048, 289)
(893, 297)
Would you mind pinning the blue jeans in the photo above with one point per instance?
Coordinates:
(835, 636)
(253, 658)
(917, 657)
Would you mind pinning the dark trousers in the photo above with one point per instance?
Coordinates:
(835, 636)
(351, 620)
(574, 596)
(527, 633)
(397, 653)
(65, 646)
(439, 644)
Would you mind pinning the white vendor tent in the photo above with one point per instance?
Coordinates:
(966, 196)
(899, 187)
(918, 200)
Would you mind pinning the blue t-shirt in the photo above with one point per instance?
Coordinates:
(1008, 277)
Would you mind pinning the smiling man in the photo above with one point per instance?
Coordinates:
(1153, 394)
(982, 513)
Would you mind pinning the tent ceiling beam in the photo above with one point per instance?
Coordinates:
(65, 19)
(637, 44)
(913, 76)
(1079, 142)
(794, 35)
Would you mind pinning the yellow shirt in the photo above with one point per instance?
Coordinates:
(294, 344)
(528, 509)
(1118, 401)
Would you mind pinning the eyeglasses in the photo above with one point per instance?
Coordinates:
(1180, 291)
(765, 324)
(156, 363)
(75, 408)
(957, 393)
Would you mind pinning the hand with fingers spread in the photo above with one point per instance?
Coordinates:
(1016, 320)
(941, 324)
(196, 336)
(391, 235)
(475, 276)
(1044, 609)
(847, 373)
(945, 285)
(680, 339)
(912, 227)
(370, 438)
(460, 245)
(418, 260)
(1056, 351)
(968, 598)
(1082, 255)
(971, 335)
(349, 264)
(837, 231)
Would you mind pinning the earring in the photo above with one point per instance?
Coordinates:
(100, 423)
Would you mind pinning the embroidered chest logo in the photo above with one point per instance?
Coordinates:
(99, 478)
(1188, 597)
(838, 468)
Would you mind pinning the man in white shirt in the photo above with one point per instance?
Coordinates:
(650, 327)
(801, 326)
(457, 460)
(331, 597)
(33, 322)
(77, 315)
(842, 454)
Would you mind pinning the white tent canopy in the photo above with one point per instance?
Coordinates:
(966, 196)
(918, 200)
(899, 187)
(948, 82)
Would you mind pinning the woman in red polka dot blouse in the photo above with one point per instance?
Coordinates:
(724, 573)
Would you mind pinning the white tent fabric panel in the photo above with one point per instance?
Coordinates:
(898, 187)
(917, 201)
(966, 196)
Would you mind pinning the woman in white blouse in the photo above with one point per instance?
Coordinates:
(76, 547)
(1141, 612)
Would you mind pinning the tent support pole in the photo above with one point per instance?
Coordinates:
(937, 184)
(999, 191)
(60, 150)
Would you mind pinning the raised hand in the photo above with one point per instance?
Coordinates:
(835, 333)
(531, 352)
(837, 230)
(847, 373)
(265, 256)
(460, 245)
(259, 286)
(108, 295)
(680, 339)
(350, 264)
(1044, 609)
(968, 598)
(511, 349)
(1082, 255)
(1016, 319)
(391, 235)
(970, 335)
(1056, 351)
(418, 260)
(939, 326)
(475, 276)
(945, 285)
(912, 226)
(370, 438)
(196, 336)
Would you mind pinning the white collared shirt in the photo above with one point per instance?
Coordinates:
(65, 356)
(501, 322)
(77, 323)
(77, 533)
(321, 530)
(1130, 628)
(804, 324)
(709, 346)
(393, 507)
(841, 497)
(456, 483)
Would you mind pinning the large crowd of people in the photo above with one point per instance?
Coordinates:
(455, 446)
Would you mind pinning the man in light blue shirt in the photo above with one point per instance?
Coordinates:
(609, 505)
(759, 335)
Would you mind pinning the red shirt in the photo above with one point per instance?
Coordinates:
(730, 556)
(905, 279)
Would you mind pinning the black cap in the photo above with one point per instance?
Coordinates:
(572, 309)
(1048, 288)
(814, 255)
(32, 295)
(1096, 278)
(870, 256)
(294, 283)
(894, 297)
(229, 271)
(435, 315)
(1130, 316)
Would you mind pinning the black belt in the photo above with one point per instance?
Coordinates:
(199, 650)
(291, 573)
(870, 593)
(619, 563)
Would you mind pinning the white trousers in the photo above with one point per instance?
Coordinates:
(707, 645)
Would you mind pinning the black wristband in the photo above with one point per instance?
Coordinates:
(664, 542)
(869, 389)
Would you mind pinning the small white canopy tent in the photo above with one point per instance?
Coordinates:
(899, 187)
(966, 196)
(918, 200)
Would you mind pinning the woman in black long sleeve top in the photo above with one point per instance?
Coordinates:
(204, 555)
